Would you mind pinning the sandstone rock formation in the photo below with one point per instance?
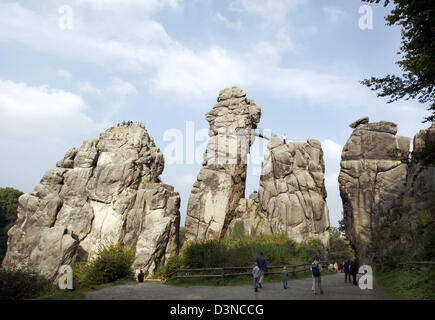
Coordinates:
(292, 194)
(371, 179)
(221, 181)
(104, 192)
(421, 178)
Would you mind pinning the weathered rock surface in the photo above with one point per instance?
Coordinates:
(292, 194)
(421, 179)
(104, 192)
(221, 182)
(371, 179)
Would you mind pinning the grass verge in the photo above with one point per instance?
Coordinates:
(407, 284)
(80, 294)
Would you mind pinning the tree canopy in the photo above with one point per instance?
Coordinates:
(339, 247)
(417, 21)
(8, 214)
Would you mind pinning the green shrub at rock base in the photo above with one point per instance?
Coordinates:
(172, 265)
(22, 284)
(240, 250)
(8, 215)
(111, 263)
(309, 249)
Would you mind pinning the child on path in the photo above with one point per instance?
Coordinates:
(256, 273)
(284, 277)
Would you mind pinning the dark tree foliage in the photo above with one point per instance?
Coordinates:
(339, 248)
(8, 214)
(417, 21)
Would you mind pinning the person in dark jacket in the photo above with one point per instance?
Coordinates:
(261, 261)
(140, 276)
(346, 270)
(354, 270)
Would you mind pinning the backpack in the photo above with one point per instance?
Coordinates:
(315, 269)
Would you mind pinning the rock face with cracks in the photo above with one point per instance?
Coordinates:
(371, 179)
(421, 178)
(221, 182)
(107, 191)
(292, 194)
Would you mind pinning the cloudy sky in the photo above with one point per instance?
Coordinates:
(71, 69)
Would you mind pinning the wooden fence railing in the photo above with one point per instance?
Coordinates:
(417, 262)
(235, 271)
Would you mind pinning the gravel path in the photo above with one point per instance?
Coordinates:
(333, 285)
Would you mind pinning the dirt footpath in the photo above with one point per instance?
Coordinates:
(334, 288)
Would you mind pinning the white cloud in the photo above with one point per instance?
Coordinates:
(41, 112)
(87, 88)
(219, 18)
(65, 74)
(186, 180)
(334, 200)
(120, 88)
(38, 124)
(332, 151)
(272, 11)
(135, 44)
(334, 15)
(332, 156)
(189, 73)
(37, 103)
(141, 46)
(148, 6)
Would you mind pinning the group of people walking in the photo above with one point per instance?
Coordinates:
(350, 269)
(260, 267)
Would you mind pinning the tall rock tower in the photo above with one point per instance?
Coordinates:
(105, 192)
(221, 182)
(371, 179)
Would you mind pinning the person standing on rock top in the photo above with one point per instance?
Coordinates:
(261, 262)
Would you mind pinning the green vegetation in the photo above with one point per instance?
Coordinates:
(230, 252)
(408, 284)
(112, 263)
(111, 266)
(181, 236)
(79, 293)
(417, 22)
(404, 233)
(339, 247)
(8, 215)
(240, 249)
(22, 284)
